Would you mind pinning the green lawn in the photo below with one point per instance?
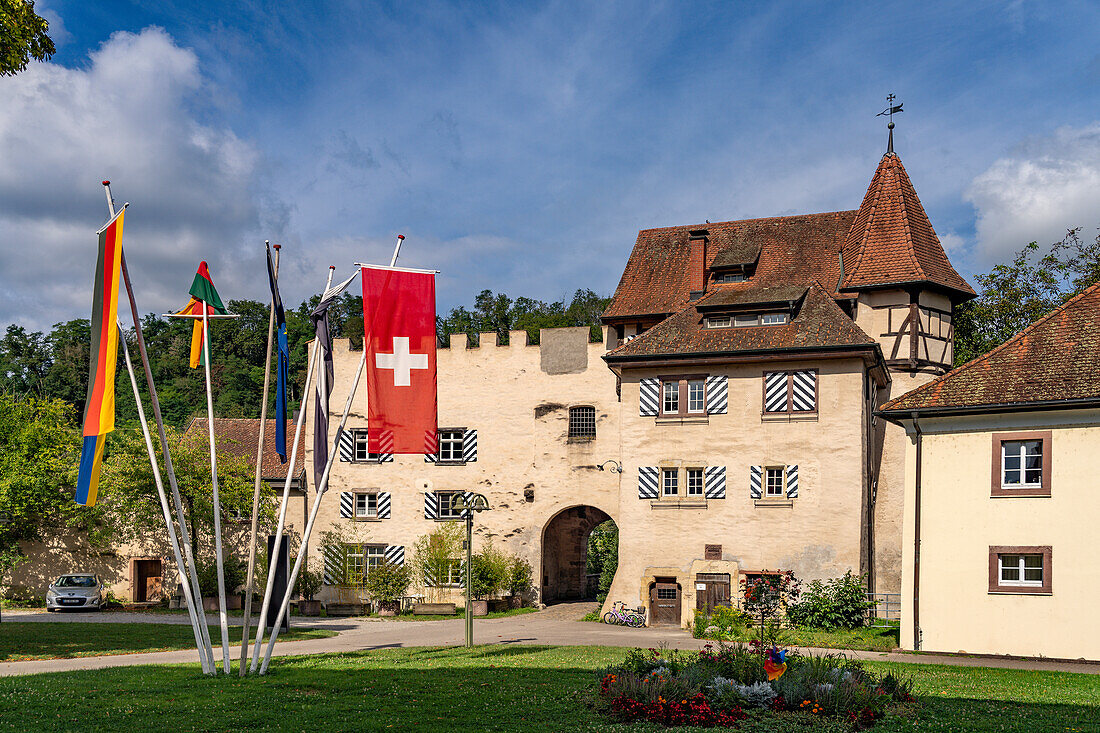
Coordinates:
(23, 640)
(867, 639)
(491, 688)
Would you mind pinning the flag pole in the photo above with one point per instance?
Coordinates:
(256, 486)
(205, 658)
(223, 617)
(322, 487)
(207, 666)
(268, 591)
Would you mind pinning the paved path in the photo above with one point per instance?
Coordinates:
(557, 625)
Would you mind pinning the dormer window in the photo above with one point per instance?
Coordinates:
(718, 322)
(730, 277)
(747, 319)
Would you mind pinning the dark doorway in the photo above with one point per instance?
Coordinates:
(711, 590)
(664, 603)
(147, 577)
(565, 553)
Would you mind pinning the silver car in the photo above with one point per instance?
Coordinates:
(81, 590)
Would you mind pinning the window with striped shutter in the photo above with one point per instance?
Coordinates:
(717, 394)
(790, 392)
(395, 554)
(714, 482)
(347, 504)
(647, 482)
(333, 557)
(431, 505)
(756, 481)
(383, 505)
(792, 482)
(648, 392)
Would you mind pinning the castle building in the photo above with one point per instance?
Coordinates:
(726, 423)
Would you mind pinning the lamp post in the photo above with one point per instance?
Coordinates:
(468, 504)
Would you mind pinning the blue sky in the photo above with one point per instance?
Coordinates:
(520, 147)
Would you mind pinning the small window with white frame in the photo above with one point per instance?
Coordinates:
(772, 319)
(450, 445)
(760, 319)
(775, 481)
(362, 451)
(695, 482)
(718, 322)
(1021, 569)
(730, 277)
(670, 396)
(696, 389)
(366, 505)
(1022, 464)
(670, 482)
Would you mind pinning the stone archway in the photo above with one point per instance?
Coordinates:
(565, 551)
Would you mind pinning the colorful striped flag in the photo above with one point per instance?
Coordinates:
(99, 407)
(202, 289)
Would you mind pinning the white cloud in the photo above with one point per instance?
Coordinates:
(133, 114)
(1048, 185)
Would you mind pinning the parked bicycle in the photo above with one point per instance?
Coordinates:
(620, 615)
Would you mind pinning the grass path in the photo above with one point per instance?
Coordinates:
(491, 688)
(22, 641)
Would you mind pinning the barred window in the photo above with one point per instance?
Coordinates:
(582, 422)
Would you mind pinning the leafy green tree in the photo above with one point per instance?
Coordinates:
(387, 582)
(39, 452)
(24, 361)
(603, 555)
(1014, 295)
(22, 36)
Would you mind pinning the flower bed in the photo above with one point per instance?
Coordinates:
(724, 685)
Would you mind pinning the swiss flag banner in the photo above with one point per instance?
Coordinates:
(399, 341)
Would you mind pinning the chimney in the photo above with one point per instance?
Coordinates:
(697, 262)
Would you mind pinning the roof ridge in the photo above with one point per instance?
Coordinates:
(748, 221)
(1000, 347)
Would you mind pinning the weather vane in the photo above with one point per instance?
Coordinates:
(889, 112)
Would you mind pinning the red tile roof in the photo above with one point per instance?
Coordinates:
(240, 436)
(892, 241)
(818, 323)
(792, 250)
(1057, 358)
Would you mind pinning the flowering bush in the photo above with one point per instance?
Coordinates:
(718, 685)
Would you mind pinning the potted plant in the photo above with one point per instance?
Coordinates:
(433, 559)
(308, 586)
(234, 577)
(484, 582)
(518, 581)
(386, 583)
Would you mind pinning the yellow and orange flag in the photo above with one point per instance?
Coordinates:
(99, 407)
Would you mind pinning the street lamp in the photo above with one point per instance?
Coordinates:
(468, 504)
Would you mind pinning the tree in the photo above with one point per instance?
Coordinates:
(434, 554)
(22, 36)
(129, 507)
(603, 556)
(39, 450)
(1014, 295)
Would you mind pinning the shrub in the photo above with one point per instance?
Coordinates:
(839, 603)
(309, 583)
(518, 580)
(387, 581)
(234, 572)
(722, 623)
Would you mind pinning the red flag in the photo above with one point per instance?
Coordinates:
(399, 329)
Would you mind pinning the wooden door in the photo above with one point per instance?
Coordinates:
(147, 579)
(664, 604)
(711, 590)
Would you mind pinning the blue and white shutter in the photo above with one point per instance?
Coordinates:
(394, 554)
(804, 391)
(756, 476)
(347, 504)
(717, 389)
(383, 505)
(649, 390)
(333, 558)
(346, 443)
(792, 482)
(714, 482)
(431, 505)
(469, 446)
(647, 482)
(775, 391)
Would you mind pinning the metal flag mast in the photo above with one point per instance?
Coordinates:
(268, 591)
(202, 642)
(256, 486)
(322, 487)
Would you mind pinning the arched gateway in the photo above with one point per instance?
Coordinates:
(565, 552)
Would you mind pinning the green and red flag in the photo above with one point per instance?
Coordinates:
(202, 291)
(99, 407)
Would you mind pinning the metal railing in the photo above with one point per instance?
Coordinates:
(885, 611)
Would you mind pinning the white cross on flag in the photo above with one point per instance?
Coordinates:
(399, 340)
